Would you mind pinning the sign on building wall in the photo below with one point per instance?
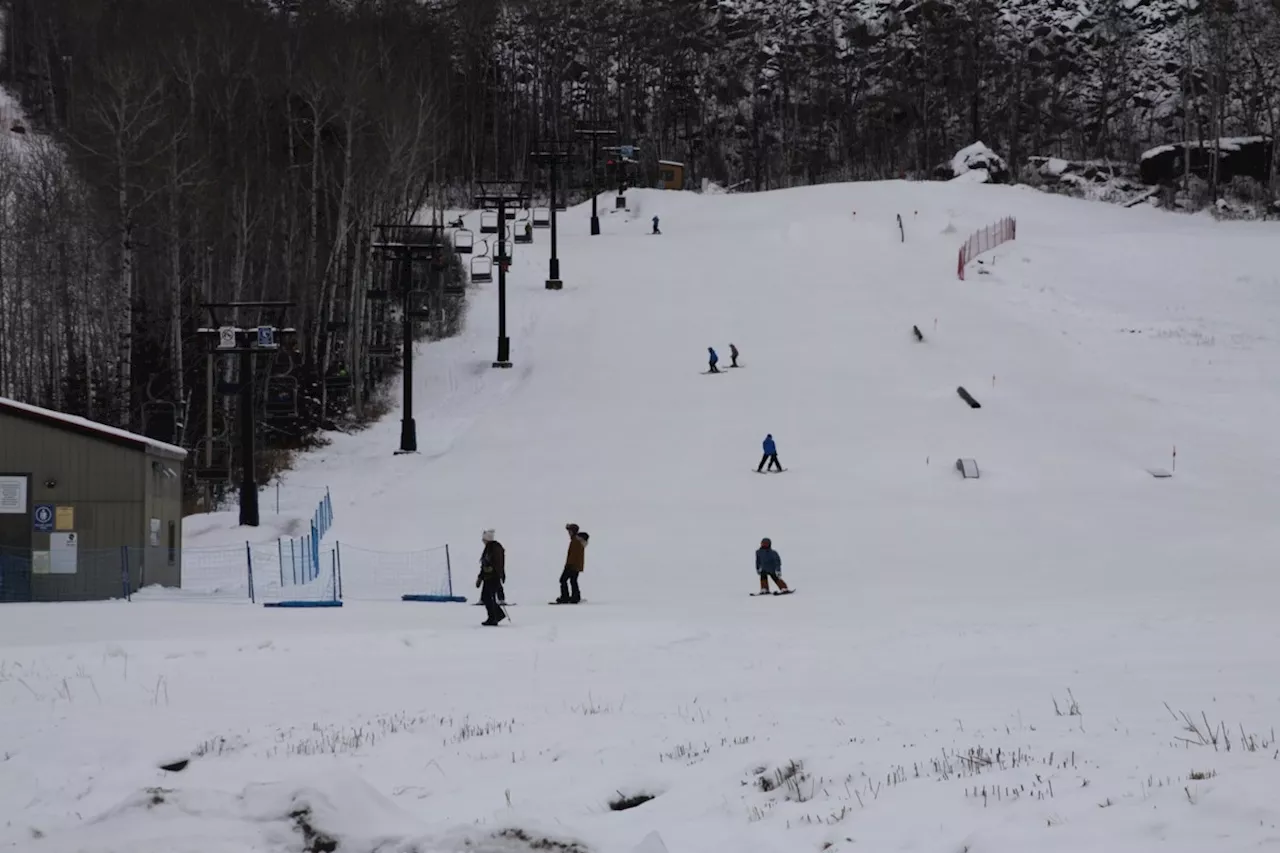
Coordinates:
(13, 495)
(42, 518)
(63, 553)
(66, 518)
(39, 562)
(155, 533)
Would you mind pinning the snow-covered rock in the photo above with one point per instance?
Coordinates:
(976, 163)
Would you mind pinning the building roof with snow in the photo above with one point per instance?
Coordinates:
(90, 429)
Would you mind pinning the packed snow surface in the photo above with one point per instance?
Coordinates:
(1066, 654)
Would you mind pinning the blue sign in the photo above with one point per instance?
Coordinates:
(266, 337)
(627, 151)
(42, 518)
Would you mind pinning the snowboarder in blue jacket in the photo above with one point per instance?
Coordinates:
(769, 567)
(712, 359)
(770, 455)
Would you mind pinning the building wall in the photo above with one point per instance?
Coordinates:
(162, 563)
(105, 486)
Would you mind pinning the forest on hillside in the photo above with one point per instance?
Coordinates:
(189, 152)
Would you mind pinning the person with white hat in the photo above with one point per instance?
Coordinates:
(493, 575)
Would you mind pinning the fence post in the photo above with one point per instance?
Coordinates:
(280, 559)
(315, 551)
(448, 569)
(277, 497)
(124, 572)
(293, 562)
(328, 502)
(248, 558)
(333, 572)
(337, 551)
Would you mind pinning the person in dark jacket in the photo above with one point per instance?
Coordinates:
(574, 563)
(770, 455)
(655, 226)
(712, 360)
(493, 574)
(733, 356)
(769, 567)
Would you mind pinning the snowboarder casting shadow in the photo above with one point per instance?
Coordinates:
(574, 563)
(733, 356)
(769, 567)
(770, 455)
(493, 575)
(712, 360)
(655, 226)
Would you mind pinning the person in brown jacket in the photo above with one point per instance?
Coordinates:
(574, 563)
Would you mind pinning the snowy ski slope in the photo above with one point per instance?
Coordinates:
(1000, 664)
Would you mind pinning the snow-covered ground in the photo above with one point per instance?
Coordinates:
(1065, 654)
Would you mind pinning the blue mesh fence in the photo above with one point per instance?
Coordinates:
(68, 574)
(366, 574)
(294, 571)
(286, 570)
(216, 573)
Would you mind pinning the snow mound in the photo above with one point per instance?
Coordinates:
(331, 808)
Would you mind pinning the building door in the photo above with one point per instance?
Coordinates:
(15, 537)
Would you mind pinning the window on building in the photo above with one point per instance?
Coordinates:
(173, 543)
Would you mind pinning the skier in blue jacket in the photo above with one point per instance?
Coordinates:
(713, 359)
(770, 455)
(769, 567)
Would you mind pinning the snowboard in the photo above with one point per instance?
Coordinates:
(709, 373)
(768, 472)
(500, 604)
(779, 592)
(583, 601)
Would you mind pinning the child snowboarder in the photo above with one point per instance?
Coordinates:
(733, 356)
(769, 567)
(493, 575)
(655, 226)
(770, 455)
(712, 360)
(574, 563)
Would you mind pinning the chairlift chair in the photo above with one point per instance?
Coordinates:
(420, 304)
(282, 397)
(542, 217)
(498, 254)
(481, 269)
(160, 420)
(488, 222)
(524, 228)
(217, 468)
(455, 287)
(463, 241)
(381, 351)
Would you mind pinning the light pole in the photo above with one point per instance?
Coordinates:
(247, 342)
(552, 153)
(594, 130)
(497, 195)
(404, 244)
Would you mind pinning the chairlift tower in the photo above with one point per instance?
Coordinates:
(246, 341)
(405, 244)
(499, 195)
(594, 130)
(552, 153)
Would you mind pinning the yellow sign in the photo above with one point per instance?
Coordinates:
(65, 518)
